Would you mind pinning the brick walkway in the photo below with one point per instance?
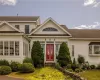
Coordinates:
(9, 78)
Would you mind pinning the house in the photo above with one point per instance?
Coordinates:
(17, 34)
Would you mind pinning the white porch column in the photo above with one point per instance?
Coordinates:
(45, 52)
(54, 52)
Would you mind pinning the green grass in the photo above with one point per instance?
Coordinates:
(91, 74)
(47, 73)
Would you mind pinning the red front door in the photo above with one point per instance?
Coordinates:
(50, 52)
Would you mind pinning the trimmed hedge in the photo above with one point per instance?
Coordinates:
(26, 68)
(4, 70)
(15, 66)
(28, 60)
(4, 63)
(92, 66)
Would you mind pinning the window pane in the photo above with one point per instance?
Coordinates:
(43, 47)
(16, 48)
(57, 48)
(11, 47)
(6, 48)
(1, 47)
(96, 49)
(27, 29)
(17, 26)
(72, 50)
(23, 48)
(90, 49)
(50, 29)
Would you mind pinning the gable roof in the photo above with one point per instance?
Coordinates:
(19, 18)
(85, 33)
(4, 22)
(50, 19)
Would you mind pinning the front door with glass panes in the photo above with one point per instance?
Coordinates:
(49, 52)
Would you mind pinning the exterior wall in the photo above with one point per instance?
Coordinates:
(81, 47)
(13, 38)
(47, 40)
(32, 25)
(50, 24)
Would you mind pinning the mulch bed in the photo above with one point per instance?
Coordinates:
(9, 78)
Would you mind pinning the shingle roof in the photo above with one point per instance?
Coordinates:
(85, 33)
(18, 18)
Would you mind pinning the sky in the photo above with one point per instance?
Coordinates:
(77, 14)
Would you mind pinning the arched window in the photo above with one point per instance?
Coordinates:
(50, 29)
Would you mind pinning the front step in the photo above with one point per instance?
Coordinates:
(49, 64)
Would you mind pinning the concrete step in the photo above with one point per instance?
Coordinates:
(49, 64)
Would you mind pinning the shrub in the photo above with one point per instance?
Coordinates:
(98, 66)
(57, 65)
(81, 59)
(28, 60)
(68, 66)
(15, 66)
(78, 70)
(86, 66)
(70, 70)
(74, 65)
(37, 54)
(92, 66)
(4, 70)
(4, 63)
(64, 55)
(26, 68)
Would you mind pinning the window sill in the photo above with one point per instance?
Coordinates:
(94, 55)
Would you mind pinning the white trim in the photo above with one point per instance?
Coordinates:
(9, 26)
(51, 36)
(85, 38)
(20, 21)
(11, 34)
(52, 21)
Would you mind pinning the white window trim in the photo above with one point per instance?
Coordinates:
(93, 54)
(9, 50)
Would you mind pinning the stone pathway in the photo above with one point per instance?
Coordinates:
(9, 78)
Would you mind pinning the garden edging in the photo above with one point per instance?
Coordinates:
(71, 74)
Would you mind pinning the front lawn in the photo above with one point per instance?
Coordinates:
(47, 73)
(91, 74)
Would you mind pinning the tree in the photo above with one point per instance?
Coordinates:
(74, 65)
(64, 55)
(37, 54)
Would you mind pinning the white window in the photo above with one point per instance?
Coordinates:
(26, 29)
(17, 26)
(43, 47)
(94, 49)
(6, 48)
(57, 49)
(50, 29)
(1, 47)
(11, 47)
(16, 48)
(72, 50)
(25, 49)
(90, 49)
(97, 49)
